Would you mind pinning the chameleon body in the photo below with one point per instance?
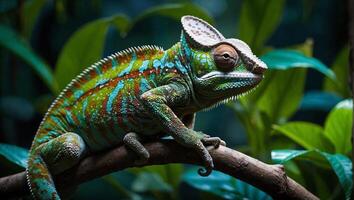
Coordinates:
(140, 93)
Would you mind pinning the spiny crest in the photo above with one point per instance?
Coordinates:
(142, 52)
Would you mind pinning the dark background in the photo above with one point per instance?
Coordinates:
(24, 97)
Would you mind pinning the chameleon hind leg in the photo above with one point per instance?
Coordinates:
(50, 158)
(132, 141)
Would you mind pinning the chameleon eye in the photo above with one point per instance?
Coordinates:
(225, 57)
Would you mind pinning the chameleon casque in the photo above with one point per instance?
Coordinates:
(138, 94)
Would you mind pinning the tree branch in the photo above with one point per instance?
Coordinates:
(269, 178)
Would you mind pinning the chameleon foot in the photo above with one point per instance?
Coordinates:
(131, 140)
(214, 141)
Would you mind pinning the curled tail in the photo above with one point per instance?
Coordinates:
(39, 179)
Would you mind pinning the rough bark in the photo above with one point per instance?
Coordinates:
(269, 178)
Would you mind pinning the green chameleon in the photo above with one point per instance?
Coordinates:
(138, 94)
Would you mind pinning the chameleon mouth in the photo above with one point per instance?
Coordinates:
(246, 76)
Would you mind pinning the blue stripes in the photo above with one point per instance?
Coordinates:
(144, 66)
(98, 70)
(130, 66)
(58, 122)
(69, 117)
(156, 63)
(180, 67)
(114, 63)
(113, 96)
(78, 94)
(144, 85)
(101, 82)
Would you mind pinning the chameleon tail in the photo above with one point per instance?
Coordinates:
(39, 179)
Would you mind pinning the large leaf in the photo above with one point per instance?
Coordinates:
(341, 165)
(223, 186)
(14, 154)
(285, 59)
(258, 20)
(338, 126)
(283, 93)
(17, 45)
(318, 100)
(150, 182)
(171, 174)
(283, 156)
(308, 135)
(119, 188)
(340, 67)
(30, 14)
(176, 11)
(122, 23)
(83, 48)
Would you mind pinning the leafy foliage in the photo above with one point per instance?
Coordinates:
(340, 68)
(310, 136)
(14, 154)
(258, 20)
(335, 136)
(341, 165)
(82, 49)
(17, 45)
(265, 113)
(223, 185)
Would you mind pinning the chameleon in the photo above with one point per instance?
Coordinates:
(139, 94)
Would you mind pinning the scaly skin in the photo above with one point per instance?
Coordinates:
(138, 94)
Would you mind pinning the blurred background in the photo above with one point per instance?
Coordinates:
(300, 115)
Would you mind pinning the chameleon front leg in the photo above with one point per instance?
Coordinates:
(158, 102)
(132, 141)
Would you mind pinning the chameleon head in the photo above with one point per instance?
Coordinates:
(220, 68)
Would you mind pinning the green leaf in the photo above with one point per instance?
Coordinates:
(282, 93)
(14, 154)
(258, 20)
(308, 135)
(283, 156)
(340, 68)
(338, 126)
(176, 11)
(83, 48)
(30, 14)
(318, 100)
(150, 182)
(285, 59)
(340, 164)
(170, 173)
(119, 188)
(223, 186)
(17, 45)
(122, 23)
